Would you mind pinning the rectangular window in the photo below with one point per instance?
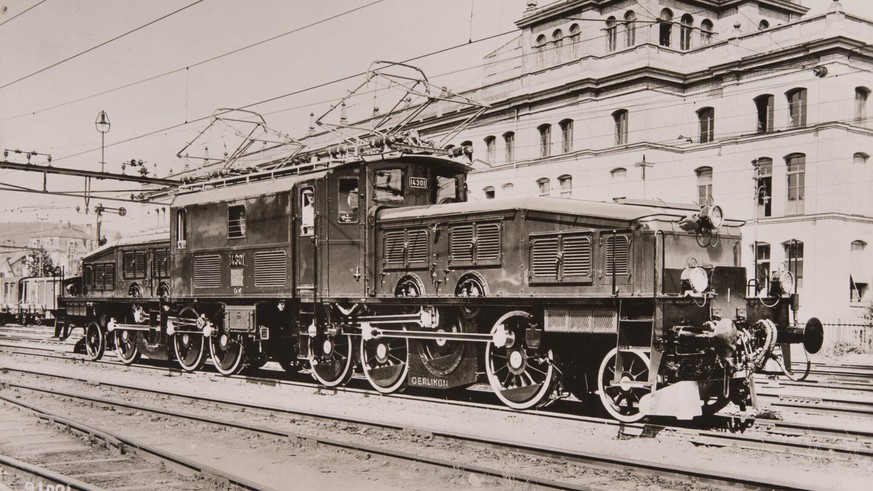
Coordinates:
(347, 200)
(388, 186)
(236, 221)
(307, 211)
(796, 184)
(545, 140)
(794, 260)
(707, 124)
(762, 275)
(491, 150)
(765, 187)
(704, 186)
(181, 228)
(764, 106)
(620, 118)
(567, 136)
(509, 141)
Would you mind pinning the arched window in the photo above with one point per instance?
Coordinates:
(509, 143)
(619, 173)
(540, 47)
(796, 108)
(706, 117)
(620, 117)
(796, 174)
(763, 25)
(665, 27)
(566, 135)
(860, 158)
(575, 33)
(545, 139)
(764, 106)
(630, 28)
(859, 273)
(467, 143)
(764, 177)
(610, 34)
(861, 95)
(558, 44)
(704, 185)
(706, 31)
(508, 188)
(545, 186)
(489, 192)
(685, 32)
(566, 182)
(490, 149)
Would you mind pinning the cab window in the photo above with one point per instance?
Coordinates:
(347, 200)
(388, 186)
(307, 211)
(447, 190)
(236, 221)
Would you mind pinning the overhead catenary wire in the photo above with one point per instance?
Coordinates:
(28, 9)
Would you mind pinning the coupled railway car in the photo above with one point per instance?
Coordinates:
(367, 257)
(30, 300)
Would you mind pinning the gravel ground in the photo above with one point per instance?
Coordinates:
(280, 462)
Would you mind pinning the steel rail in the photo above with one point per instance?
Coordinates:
(47, 474)
(672, 471)
(770, 426)
(125, 443)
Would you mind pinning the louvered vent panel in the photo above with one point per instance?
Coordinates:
(488, 242)
(108, 276)
(577, 256)
(394, 250)
(128, 264)
(462, 239)
(417, 246)
(270, 268)
(543, 257)
(207, 271)
(139, 264)
(617, 254)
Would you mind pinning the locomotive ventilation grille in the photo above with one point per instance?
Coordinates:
(561, 257)
(617, 254)
(476, 243)
(207, 271)
(406, 247)
(162, 263)
(270, 268)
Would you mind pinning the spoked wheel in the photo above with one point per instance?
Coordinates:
(621, 391)
(228, 352)
(190, 347)
(385, 362)
(332, 359)
(442, 357)
(522, 377)
(95, 341)
(125, 346)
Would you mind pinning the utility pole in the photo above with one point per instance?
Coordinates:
(644, 165)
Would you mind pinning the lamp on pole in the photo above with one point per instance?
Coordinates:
(102, 124)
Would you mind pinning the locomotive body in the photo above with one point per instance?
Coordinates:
(381, 263)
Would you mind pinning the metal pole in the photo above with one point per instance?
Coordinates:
(102, 159)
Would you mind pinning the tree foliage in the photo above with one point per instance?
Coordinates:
(40, 263)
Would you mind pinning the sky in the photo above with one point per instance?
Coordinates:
(161, 79)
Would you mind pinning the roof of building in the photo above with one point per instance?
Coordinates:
(20, 233)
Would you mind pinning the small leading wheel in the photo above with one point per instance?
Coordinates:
(332, 358)
(228, 352)
(385, 362)
(522, 377)
(125, 346)
(95, 341)
(621, 391)
(189, 346)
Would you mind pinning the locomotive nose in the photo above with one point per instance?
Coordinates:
(724, 337)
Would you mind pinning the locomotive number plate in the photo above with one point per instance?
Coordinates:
(237, 260)
(418, 182)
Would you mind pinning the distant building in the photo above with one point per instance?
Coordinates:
(752, 104)
(65, 243)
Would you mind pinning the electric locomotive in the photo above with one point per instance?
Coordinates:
(368, 256)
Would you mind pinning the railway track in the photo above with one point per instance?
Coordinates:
(784, 431)
(437, 439)
(41, 450)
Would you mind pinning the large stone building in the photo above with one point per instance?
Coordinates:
(65, 243)
(753, 104)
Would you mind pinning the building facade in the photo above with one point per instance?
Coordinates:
(752, 104)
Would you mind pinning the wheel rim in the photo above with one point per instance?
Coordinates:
(125, 346)
(621, 395)
(332, 359)
(385, 362)
(95, 341)
(520, 377)
(442, 357)
(227, 352)
(189, 347)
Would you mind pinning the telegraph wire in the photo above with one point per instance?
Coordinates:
(22, 12)
(100, 45)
